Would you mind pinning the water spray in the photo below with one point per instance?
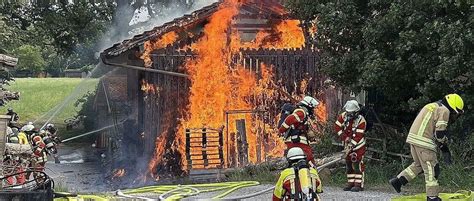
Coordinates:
(92, 132)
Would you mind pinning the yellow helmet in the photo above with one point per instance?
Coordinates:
(455, 102)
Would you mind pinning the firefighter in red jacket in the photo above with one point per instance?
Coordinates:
(350, 128)
(296, 126)
(39, 152)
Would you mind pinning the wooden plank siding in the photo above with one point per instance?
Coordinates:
(161, 110)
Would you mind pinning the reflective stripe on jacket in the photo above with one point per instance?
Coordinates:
(433, 117)
(286, 187)
(353, 129)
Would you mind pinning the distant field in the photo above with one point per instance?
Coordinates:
(40, 95)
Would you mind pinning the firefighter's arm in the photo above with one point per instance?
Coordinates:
(279, 191)
(441, 133)
(339, 126)
(358, 140)
(296, 116)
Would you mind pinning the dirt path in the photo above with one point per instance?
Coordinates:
(79, 170)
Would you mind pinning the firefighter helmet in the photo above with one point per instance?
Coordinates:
(310, 102)
(295, 153)
(28, 128)
(455, 102)
(352, 106)
(42, 133)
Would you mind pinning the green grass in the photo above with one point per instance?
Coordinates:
(262, 174)
(38, 96)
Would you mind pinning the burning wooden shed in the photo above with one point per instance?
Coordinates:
(206, 88)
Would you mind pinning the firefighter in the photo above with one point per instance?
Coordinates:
(39, 152)
(51, 129)
(13, 115)
(22, 136)
(427, 134)
(299, 181)
(12, 137)
(295, 127)
(49, 141)
(13, 121)
(350, 127)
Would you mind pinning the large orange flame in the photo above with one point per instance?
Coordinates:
(149, 46)
(285, 35)
(217, 85)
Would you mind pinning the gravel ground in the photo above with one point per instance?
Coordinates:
(79, 170)
(330, 193)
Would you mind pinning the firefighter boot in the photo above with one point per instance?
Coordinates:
(356, 189)
(397, 183)
(348, 187)
(433, 198)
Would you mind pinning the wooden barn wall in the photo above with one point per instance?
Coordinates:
(160, 110)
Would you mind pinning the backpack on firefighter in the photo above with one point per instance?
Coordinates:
(299, 181)
(286, 110)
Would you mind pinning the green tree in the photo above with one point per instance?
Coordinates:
(408, 52)
(29, 58)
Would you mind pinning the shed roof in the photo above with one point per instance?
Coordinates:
(261, 7)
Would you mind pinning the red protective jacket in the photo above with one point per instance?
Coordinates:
(297, 120)
(351, 131)
(39, 148)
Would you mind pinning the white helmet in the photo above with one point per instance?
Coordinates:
(352, 106)
(50, 126)
(310, 102)
(295, 153)
(27, 128)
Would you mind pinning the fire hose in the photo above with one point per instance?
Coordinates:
(181, 191)
(270, 189)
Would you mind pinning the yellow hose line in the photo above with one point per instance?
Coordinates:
(236, 187)
(227, 187)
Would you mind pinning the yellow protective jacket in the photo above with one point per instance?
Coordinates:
(432, 118)
(286, 187)
(22, 138)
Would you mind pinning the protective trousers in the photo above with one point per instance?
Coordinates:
(355, 168)
(424, 161)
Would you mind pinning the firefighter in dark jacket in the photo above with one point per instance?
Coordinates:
(299, 181)
(428, 133)
(296, 126)
(350, 127)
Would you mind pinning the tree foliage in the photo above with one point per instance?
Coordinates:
(29, 57)
(408, 52)
(71, 33)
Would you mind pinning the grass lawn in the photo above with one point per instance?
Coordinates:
(38, 96)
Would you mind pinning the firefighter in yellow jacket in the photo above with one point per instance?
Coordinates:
(427, 134)
(299, 181)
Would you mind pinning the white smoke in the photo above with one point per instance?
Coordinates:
(143, 21)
